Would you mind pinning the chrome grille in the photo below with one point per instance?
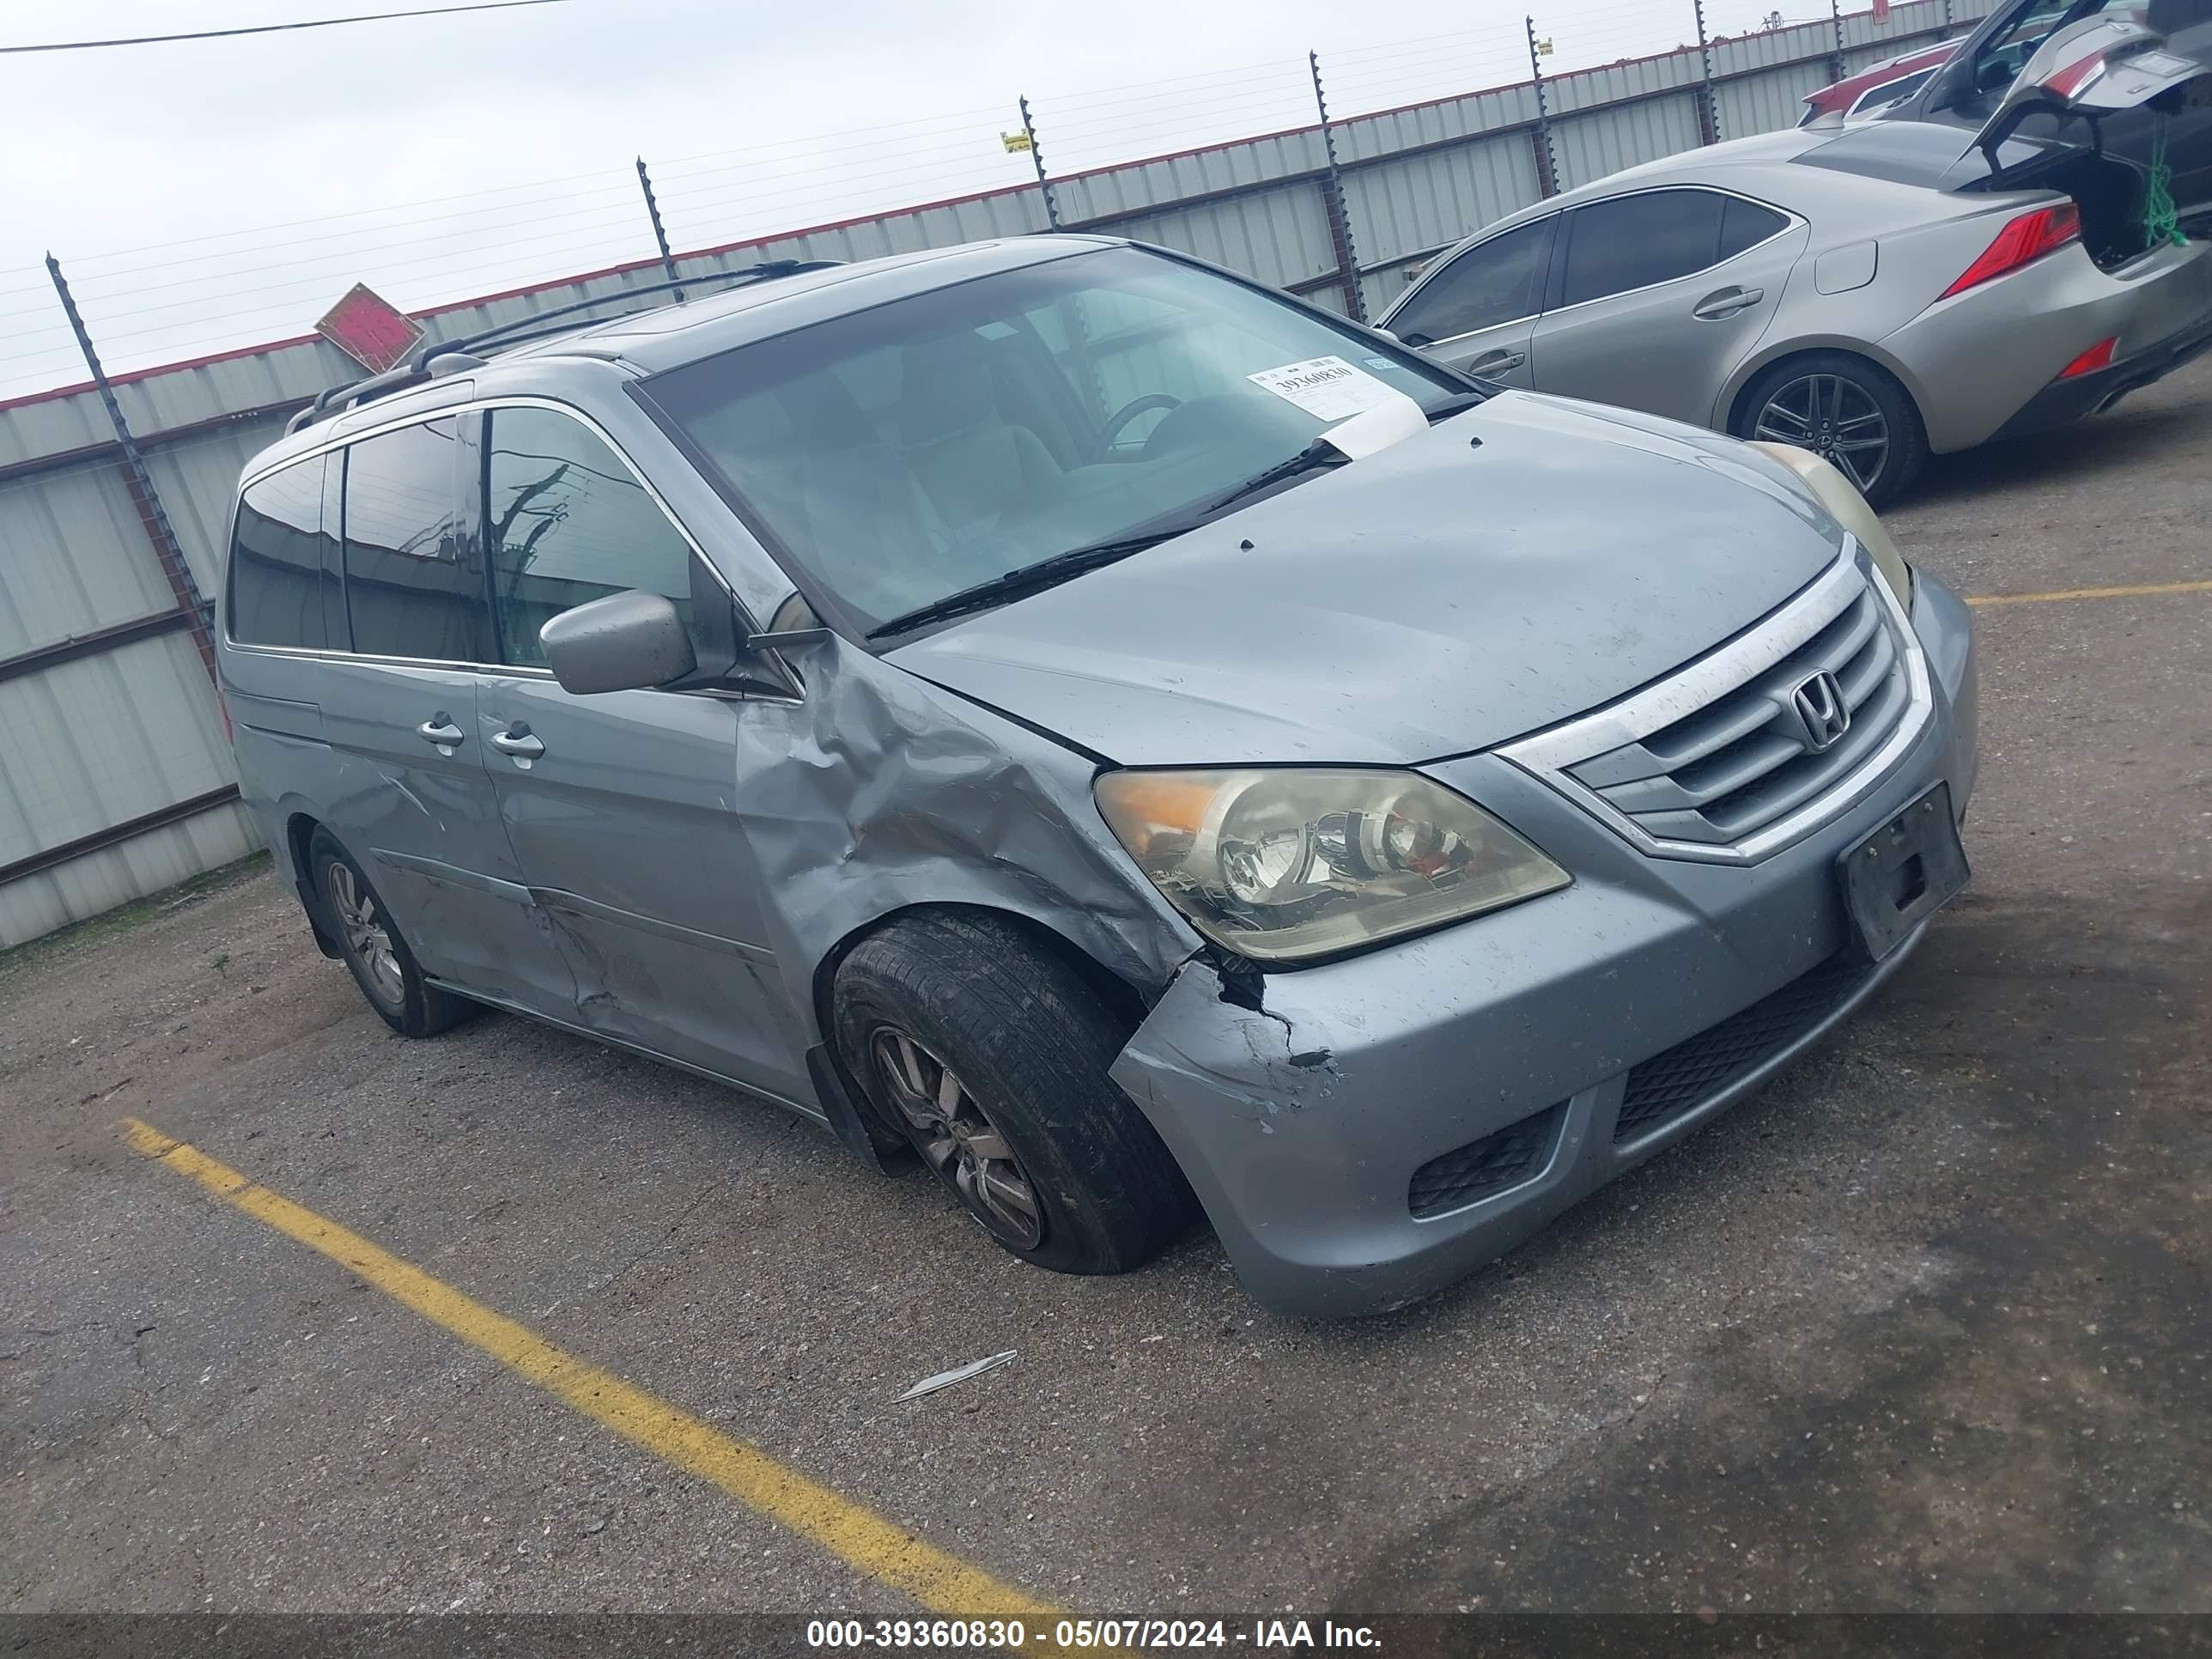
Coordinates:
(1718, 762)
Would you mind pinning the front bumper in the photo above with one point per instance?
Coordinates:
(1302, 1126)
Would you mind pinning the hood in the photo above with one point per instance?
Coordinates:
(1433, 598)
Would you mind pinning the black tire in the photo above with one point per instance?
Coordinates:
(407, 1002)
(1029, 1042)
(1907, 434)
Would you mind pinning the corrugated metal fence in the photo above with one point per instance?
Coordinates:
(115, 773)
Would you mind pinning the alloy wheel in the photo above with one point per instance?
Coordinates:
(368, 934)
(1836, 418)
(956, 1139)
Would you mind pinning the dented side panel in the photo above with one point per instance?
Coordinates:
(628, 831)
(421, 820)
(879, 792)
(671, 872)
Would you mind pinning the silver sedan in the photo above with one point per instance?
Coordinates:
(1875, 292)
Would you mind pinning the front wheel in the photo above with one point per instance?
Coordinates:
(990, 1054)
(1855, 415)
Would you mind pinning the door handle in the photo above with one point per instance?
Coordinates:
(1719, 306)
(1497, 363)
(440, 730)
(517, 741)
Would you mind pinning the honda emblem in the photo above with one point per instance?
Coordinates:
(1822, 715)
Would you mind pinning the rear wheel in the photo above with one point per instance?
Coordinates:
(990, 1054)
(1852, 413)
(371, 946)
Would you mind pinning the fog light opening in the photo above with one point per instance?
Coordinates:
(2098, 356)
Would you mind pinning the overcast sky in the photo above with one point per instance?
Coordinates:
(209, 194)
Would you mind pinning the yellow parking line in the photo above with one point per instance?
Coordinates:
(2142, 590)
(854, 1534)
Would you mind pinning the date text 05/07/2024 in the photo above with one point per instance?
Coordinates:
(1010, 1635)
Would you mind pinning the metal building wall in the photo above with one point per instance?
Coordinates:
(128, 736)
(1591, 146)
(1405, 208)
(115, 776)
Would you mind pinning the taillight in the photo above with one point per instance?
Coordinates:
(2026, 239)
(2098, 356)
(2069, 81)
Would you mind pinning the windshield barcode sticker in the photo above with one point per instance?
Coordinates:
(1328, 388)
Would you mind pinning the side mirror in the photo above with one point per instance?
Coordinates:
(624, 642)
(1417, 340)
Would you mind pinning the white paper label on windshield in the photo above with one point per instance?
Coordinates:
(1328, 388)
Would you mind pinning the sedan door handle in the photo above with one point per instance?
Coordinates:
(1719, 306)
(1497, 363)
(440, 730)
(518, 741)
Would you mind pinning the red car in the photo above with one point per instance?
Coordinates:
(1882, 84)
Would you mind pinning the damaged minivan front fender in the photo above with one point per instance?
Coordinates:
(877, 791)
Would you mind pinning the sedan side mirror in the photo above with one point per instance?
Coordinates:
(624, 642)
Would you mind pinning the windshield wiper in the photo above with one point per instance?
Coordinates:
(1028, 579)
(1319, 454)
(1456, 405)
(1046, 573)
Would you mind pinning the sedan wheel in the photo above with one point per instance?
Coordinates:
(1836, 418)
(956, 1139)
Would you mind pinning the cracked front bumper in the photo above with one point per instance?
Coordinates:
(1675, 986)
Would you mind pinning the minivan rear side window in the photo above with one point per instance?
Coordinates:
(414, 584)
(284, 582)
(1634, 241)
(567, 522)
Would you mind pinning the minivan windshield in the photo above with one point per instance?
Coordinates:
(910, 452)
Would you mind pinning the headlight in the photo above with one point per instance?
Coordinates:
(1287, 864)
(1849, 508)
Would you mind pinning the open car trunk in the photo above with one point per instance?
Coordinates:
(2084, 72)
(2111, 194)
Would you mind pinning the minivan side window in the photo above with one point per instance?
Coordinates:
(283, 581)
(414, 584)
(567, 522)
(1634, 241)
(1500, 281)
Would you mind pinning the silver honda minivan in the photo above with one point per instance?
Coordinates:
(1133, 740)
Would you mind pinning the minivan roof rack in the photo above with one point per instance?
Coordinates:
(416, 367)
